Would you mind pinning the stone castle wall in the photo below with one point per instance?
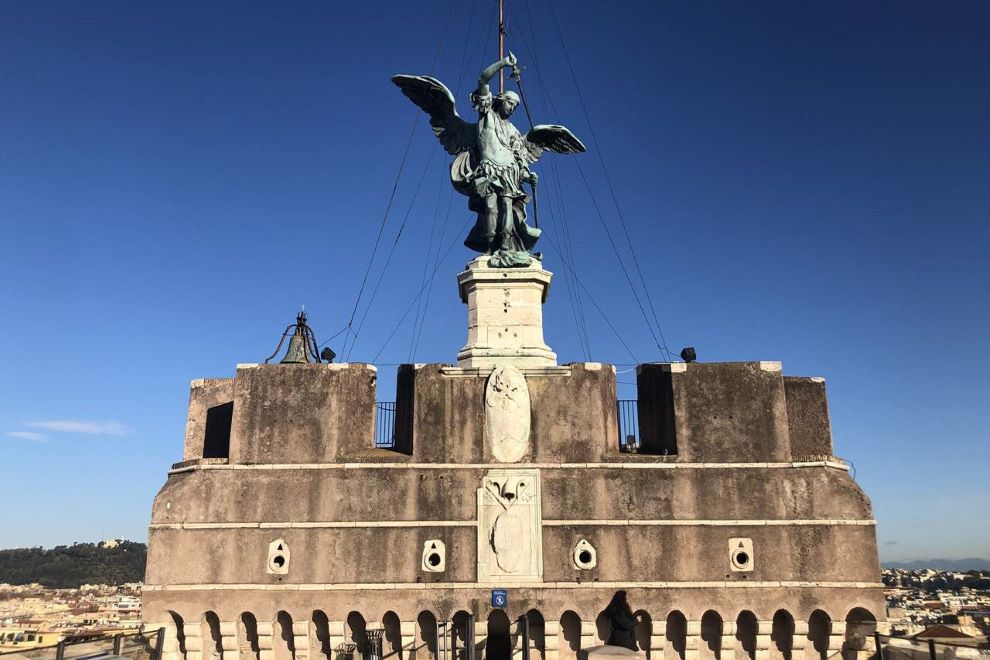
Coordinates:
(733, 456)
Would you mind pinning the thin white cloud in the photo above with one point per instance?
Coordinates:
(33, 436)
(78, 426)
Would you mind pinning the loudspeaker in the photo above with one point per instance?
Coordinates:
(741, 555)
(434, 556)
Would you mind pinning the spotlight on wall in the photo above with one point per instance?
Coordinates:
(688, 354)
(328, 354)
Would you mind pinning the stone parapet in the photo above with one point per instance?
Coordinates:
(808, 421)
(302, 413)
(727, 411)
(440, 413)
(211, 406)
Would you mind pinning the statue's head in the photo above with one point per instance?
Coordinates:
(505, 103)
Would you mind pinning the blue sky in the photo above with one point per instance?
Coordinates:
(805, 182)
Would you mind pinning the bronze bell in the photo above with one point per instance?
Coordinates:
(302, 344)
(297, 353)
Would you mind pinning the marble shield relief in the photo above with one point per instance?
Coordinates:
(510, 538)
(507, 414)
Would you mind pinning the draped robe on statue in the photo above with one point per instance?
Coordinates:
(478, 175)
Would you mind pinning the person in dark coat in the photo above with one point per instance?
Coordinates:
(623, 622)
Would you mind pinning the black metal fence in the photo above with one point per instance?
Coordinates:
(146, 645)
(385, 424)
(628, 414)
(907, 648)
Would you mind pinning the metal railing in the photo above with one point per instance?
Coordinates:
(628, 415)
(146, 645)
(385, 424)
(907, 648)
(454, 642)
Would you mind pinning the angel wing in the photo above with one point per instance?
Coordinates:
(433, 97)
(553, 137)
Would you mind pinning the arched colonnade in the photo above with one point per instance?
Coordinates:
(670, 636)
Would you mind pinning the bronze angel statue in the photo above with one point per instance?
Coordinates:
(492, 160)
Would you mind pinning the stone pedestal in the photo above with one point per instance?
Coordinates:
(505, 316)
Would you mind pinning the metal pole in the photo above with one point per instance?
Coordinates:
(931, 650)
(159, 641)
(525, 636)
(501, 47)
(469, 638)
(60, 650)
(536, 212)
(876, 640)
(116, 644)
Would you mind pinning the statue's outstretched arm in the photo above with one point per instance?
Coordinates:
(489, 73)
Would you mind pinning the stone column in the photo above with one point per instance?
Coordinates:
(266, 633)
(336, 633)
(194, 642)
(589, 633)
(799, 640)
(407, 637)
(551, 639)
(480, 638)
(505, 316)
(763, 630)
(300, 639)
(170, 642)
(228, 640)
(658, 641)
(692, 639)
(836, 638)
(728, 640)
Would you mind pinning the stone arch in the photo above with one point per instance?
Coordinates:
(319, 633)
(537, 635)
(459, 635)
(644, 631)
(498, 642)
(860, 626)
(392, 639)
(747, 627)
(247, 637)
(711, 635)
(676, 633)
(570, 631)
(782, 636)
(819, 630)
(212, 639)
(426, 636)
(356, 633)
(283, 642)
(179, 634)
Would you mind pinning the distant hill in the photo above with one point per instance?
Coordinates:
(73, 565)
(970, 564)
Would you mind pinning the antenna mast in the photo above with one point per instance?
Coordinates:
(501, 46)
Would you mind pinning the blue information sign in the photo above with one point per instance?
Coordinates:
(500, 598)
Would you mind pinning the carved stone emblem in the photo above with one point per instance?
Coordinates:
(510, 539)
(507, 414)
